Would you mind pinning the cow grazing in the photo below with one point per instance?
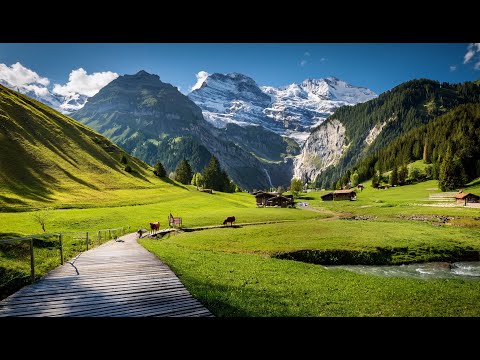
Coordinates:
(230, 220)
(154, 227)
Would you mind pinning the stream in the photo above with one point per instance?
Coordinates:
(431, 270)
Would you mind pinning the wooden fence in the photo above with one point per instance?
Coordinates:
(80, 241)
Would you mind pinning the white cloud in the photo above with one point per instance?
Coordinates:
(201, 77)
(18, 75)
(468, 56)
(303, 62)
(38, 90)
(306, 53)
(80, 83)
(323, 59)
(472, 49)
(453, 67)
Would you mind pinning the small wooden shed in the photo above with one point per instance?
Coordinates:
(273, 199)
(340, 195)
(467, 198)
(280, 200)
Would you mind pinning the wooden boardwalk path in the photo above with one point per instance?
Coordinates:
(117, 279)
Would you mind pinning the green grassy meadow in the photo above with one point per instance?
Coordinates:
(194, 207)
(400, 200)
(242, 284)
(238, 272)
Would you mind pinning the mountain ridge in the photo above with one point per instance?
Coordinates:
(370, 126)
(290, 110)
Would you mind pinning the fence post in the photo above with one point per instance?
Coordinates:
(98, 237)
(86, 239)
(61, 249)
(32, 262)
(109, 234)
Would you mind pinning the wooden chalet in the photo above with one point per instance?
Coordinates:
(467, 198)
(273, 199)
(340, 195)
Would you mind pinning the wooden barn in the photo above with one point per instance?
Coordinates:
(273, 199)
(340, 195)
(467, 198)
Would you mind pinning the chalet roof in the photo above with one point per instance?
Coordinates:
(264, 193)
(464, 195)
(343, 191)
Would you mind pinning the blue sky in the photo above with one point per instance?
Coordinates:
(376, 66)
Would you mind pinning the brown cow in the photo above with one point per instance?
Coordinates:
(154, 226)
(230, 220)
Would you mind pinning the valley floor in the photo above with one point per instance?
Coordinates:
(273, 269)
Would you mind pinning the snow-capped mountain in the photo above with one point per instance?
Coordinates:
(231, 98)
(64, 104)
(290, 110)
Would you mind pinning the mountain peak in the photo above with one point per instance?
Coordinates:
(142, 74)
(234, 76)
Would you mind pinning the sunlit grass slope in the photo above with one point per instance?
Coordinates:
(49, 158)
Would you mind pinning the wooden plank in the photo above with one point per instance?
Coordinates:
(133, 306)
(35, 302)
(101, 305)
(116, 306)
(85, 280)
(129, 309)
(79, 286)
(73, 299)
(93, 292)
(102, 302)
(114, 279)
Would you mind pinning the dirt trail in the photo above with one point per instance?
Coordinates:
(335, 216)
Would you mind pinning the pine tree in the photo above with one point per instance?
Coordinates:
(183, 172)
(215, 178)
(354, 179)
(429, 172)
(452, 173)
(402, 175)
(394, 176)
(375, 180)
(159, 170)
(212, 175)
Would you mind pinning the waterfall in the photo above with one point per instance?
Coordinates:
(268, 176)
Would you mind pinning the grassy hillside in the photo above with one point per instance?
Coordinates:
(401, 109)
(49, 158)
(458, 129)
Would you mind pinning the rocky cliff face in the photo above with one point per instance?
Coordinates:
(323, 148)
